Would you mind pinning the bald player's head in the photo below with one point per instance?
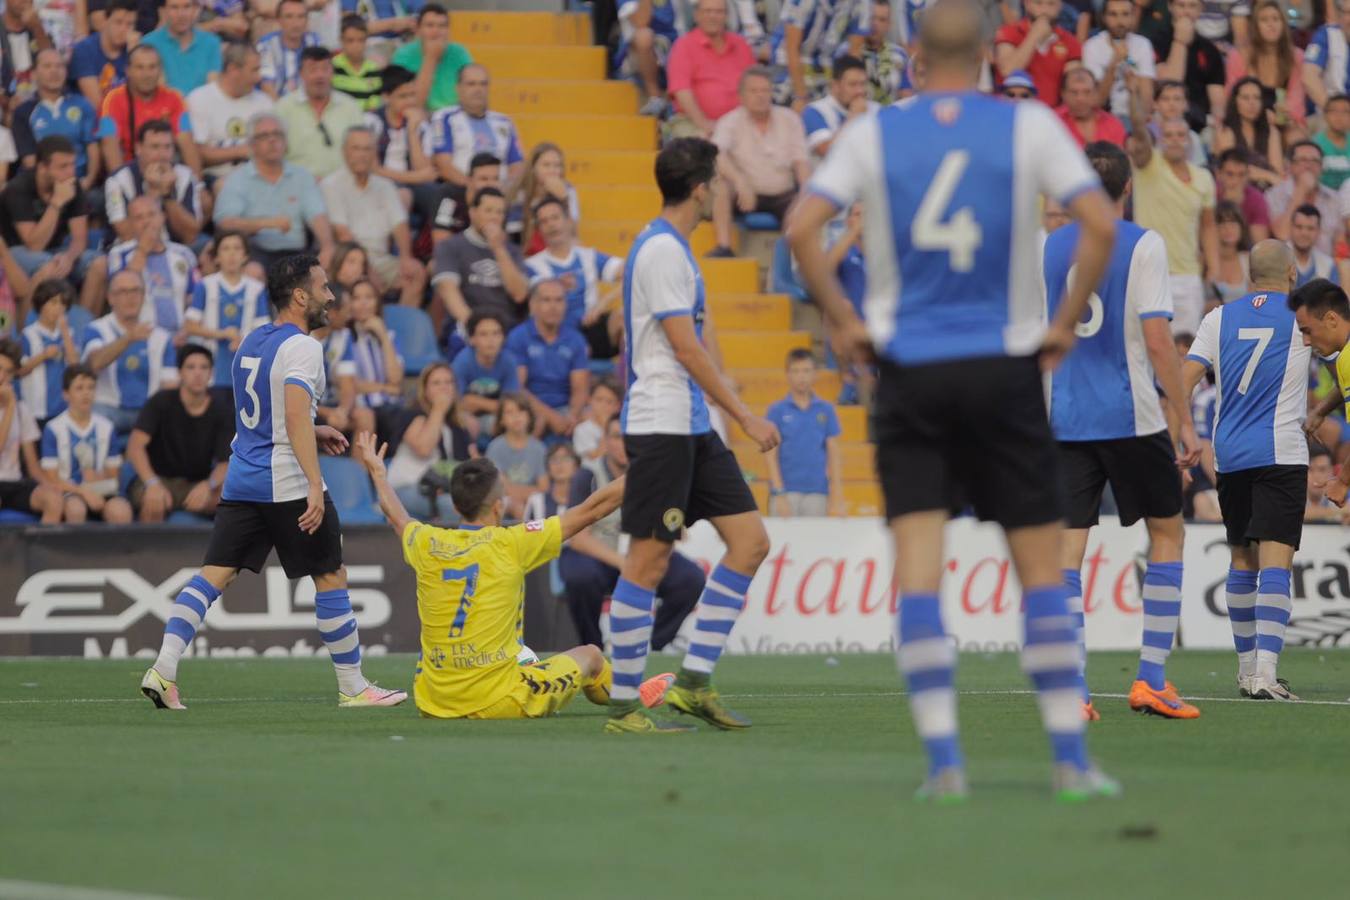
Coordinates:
(1272, 265)
(951, 35)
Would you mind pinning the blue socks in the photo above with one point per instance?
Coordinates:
(927, 659)
(1241, 599)
(1162, 612)
(1051, 658)
(189, 610)
(337, 627)
(721, 603)
(630, 628)
(1073, 581)
(1273, 605)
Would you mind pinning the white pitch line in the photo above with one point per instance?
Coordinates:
(34, 700)
(36, 890)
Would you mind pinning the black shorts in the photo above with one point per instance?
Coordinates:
(1264, 504)
(1142, 471)
(18, 495)
(676, 479)
(967, 432)
(244, 533)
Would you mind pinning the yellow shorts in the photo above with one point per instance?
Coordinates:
(541, 690)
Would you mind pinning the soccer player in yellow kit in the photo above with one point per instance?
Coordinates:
(471, 600)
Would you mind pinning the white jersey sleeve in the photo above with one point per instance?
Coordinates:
(1149, 287)
(852, 167)
(301, 362)
(1205, 347)
(663, 285)
(1058, 166)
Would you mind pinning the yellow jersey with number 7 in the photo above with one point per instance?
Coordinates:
(471, 602)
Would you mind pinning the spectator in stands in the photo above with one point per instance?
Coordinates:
(1303, 185)
(763, 156)
(391, 21)
(139, 100)
(365, 208)
(1305, 226)
(434, 59)
(1176, 199)
(317, 118)
(886, 61)
(19, 435)
(226, 306)
(1192, 59)
(1169, 102)
(846, 101)
(1317, 508)
(1235, 188)
(271, 200)
(190, 55)
(153, 173)
(1247, 127)
(1275, 62)
(588, 438)
(562, 464)
(225, 19)
(648, 31)
(1231, 278)
(338, 404)
(55, 110)
(26, 39)
(544, 177)
(809, 35)
(485, 370)
(519, 455)
(167, 269)
(180, 446)
(379, 367)
(470, 128)
(1225, 21)
(1334, 139)
(131, 357)
(430, 438)
(280, 51)
(405, 142)
(552, 362)
(48, 348)
(221, 109)
(348, 265)
(590, 561)
(446, 206)
(704, 71)
(581, 271)
(1018, 86)
(1036, 45)
(1326, 63)
(1082, 113)
(354, 73)
(98, 63)
(480, 270)
(806, 470)
(79, 455)
(1113, 51)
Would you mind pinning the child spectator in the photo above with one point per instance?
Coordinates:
(353, 73)
(79, 457)
(349, 265)
(48, 347)
(562, 465)
(805, 475)
(552, 361)
(379, 368)
(588, 438)
(19, 434)
(431, 442)
(226, 306)
(521, 457)
(484, 371)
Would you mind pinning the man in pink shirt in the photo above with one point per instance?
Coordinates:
(704, 71)
(1083, 114)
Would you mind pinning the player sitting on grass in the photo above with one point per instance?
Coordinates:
(471, 600)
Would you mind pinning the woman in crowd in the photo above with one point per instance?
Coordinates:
(543, 178)
(1230, 282)
(1277, 65)
(431, 443)
(1248, 126)
(349, 265)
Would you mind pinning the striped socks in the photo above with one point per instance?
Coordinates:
(1241, 600)
(337, 627)
(1162, 611)
(1273, 605)
(630, 627)
(189, 609)
(721, 603)
(927, 659)
(1073, 580)
(1050, 656)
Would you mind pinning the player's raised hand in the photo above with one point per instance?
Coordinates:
(1335, 490)
(1188, 454)
(365, 453)
(762, 432)
(312, 517)
(331, 441)
(1056, 344)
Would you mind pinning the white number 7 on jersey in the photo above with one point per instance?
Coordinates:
(1262, 337)
(960, 235)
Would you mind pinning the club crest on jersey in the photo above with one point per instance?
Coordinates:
(1258, 301)
(536, 525)
(947, 110)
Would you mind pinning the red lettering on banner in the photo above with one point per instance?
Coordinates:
(889, 594)
(777, 562)
(1094, 564)
(1128, 608)
(831, 603)
(996, 601)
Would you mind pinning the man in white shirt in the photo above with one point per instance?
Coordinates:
(1110, 53)
(220, 110)
(463, 131)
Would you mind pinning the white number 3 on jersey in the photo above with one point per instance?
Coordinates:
(250, 413)
(960, 235)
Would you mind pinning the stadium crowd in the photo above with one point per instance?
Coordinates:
(157, 157)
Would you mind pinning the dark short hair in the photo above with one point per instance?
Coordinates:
(54, 289)
(51, 145)
(608, 383)
(682, 166)
(1335, 98)
(550, 200)
(187, 351)
(352, 20)
(479, 318)
(798, 354)
(564, 447)
(432, 9)
(315, 54)
(154, 126)
(1319, 297)
(1233, 154)
(484, 193)
(222, 235)
(122, 5)
(474, 485)
(521, 400)
(72, 372)
(10, 349)
(394, 77)
(1165, 84)
(844, 64)
(1112, 165)
(1307, 209)
(480, 160)
(236, 54)
(1293, 148)
(287, 274)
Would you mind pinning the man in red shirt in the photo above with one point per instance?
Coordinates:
(1082, 112)
(703, 74)
(1040, 47)
(127, 107)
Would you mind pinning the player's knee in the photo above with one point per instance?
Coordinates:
(591, 659)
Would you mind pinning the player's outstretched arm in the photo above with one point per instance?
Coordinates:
(591, 510)
(693, 356)
(366, 454)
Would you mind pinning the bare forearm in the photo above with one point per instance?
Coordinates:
(139, 458)
(105, 356)
(1167, 369)
(701, 368)
(40, 234)
(515, 282)
(390, 505)
(304, 445)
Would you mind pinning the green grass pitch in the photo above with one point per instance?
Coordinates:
(265, 789)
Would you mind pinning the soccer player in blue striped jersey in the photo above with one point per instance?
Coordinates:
(1260, 368)
(1110, 427)
(274, 495)
(950, 183)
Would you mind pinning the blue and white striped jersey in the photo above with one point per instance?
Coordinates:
(825, 25)
(953, 185)
(78, 454)
(823, 118)
(585, 268)
(281, 64)
(338, 362)
(1105, 388)
(661, 279)
(142, 369)
(170, 278)
(263, 467)
(217, 305)
(1260, 379)
(462, 136)
(41, 388)
(368, 359)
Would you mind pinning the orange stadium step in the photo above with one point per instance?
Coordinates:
(616, 238)
(533, 28)
(588, 132)
(606, 169)
(760, 387)
(749, 312)
(760, 349)
(506, 62)
(588, 98)
(620, 203)
(730, 276)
